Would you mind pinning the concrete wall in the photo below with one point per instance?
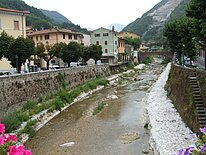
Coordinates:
(20, 88)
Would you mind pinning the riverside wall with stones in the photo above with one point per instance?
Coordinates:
(17, 89)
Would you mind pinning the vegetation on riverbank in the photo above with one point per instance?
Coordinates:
(53, 102)
(99, 108)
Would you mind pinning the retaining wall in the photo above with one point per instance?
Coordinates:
(180, 91)
(17, 89)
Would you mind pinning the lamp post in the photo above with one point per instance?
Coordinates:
(16, 56)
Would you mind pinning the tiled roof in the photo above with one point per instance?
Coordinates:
(14, 11)
(48, 31)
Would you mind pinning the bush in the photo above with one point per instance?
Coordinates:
(99, 108)
(147, 60)
(12, 122)
(165, 61)
(29, 105)
(58, 104)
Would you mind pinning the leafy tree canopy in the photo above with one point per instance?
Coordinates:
(5, 43)
(73, 52)
(20, 50)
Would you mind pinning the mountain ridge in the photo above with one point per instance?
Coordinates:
(151, 24)
(56, 16)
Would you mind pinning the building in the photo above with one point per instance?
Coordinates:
(13, 22)
(108, 39)
(124, 35)
(53, 36)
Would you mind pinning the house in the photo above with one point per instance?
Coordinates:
(124, 35)
(108, 39)
(51, 37)
(13, 22)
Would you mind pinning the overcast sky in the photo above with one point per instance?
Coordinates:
(97, 13)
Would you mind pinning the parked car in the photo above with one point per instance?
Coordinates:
(189, 63)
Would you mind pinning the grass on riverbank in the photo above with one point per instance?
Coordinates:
(99, 108)
(54, 102)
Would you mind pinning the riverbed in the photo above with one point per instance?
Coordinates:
(117, 130)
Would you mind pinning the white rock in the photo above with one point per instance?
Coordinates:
(112, 96)
(67, 144)
(140, 66)
(168, 132)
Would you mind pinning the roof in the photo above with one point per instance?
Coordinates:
(54, 30)
(104, 29)
(14, 11)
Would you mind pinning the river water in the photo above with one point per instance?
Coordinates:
(117, 130)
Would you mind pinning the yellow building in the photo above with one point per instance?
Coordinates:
(53, 36)
(13, 22)
(124, 35)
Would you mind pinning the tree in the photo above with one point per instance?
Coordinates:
(179, 36)
(73, 52)
(20, 50)
(95, 52)
(196, 10)
(5, 43)
(48, 52)
(134, 42)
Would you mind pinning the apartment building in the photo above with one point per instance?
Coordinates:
(108, 39)
(53, 36)
(13, 22)
(124, 35)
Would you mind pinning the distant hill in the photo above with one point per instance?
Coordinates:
(37, 19)
(56, 16)
(117, 27)
(151, 24)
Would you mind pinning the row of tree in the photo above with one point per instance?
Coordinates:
(18, 50)
(187, 34)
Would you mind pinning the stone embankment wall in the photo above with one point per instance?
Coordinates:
(180, 91)
(17, 89)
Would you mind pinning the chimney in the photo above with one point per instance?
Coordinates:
(113, 28)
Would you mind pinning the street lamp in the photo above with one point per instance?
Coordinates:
(16, 56)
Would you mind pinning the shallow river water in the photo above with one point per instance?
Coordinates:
(117, 130)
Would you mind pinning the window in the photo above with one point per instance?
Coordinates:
(37, 38)
(106, 50)
(105, 34)
(75, 37)
(97, 42)
(40, 37)
(115, 42)
(97, 34)
(64, 36)
(105, 42)
(70, 36)
(46, 37)
(0, 23)
(16, 25)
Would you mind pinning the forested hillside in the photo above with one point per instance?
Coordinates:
(37, 19)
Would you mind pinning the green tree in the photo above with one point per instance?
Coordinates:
(73, 52)
(196, 10)
(20, 50)
(5, 43)
(92, 51)
(48, 52)
(134, 42)
(179, 36)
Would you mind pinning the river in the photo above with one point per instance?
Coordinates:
(117, 130)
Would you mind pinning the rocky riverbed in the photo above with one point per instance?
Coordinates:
(117, 129)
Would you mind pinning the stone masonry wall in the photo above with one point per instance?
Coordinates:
(18, 89)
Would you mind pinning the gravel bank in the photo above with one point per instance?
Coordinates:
(168, 131)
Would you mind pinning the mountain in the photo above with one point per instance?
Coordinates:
(117, 27)
(56, 16)
(151, 24)
(37, 19)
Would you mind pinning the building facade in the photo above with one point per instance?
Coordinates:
(124, 35)
(108, 39)
(13, 22)
(53, 36)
